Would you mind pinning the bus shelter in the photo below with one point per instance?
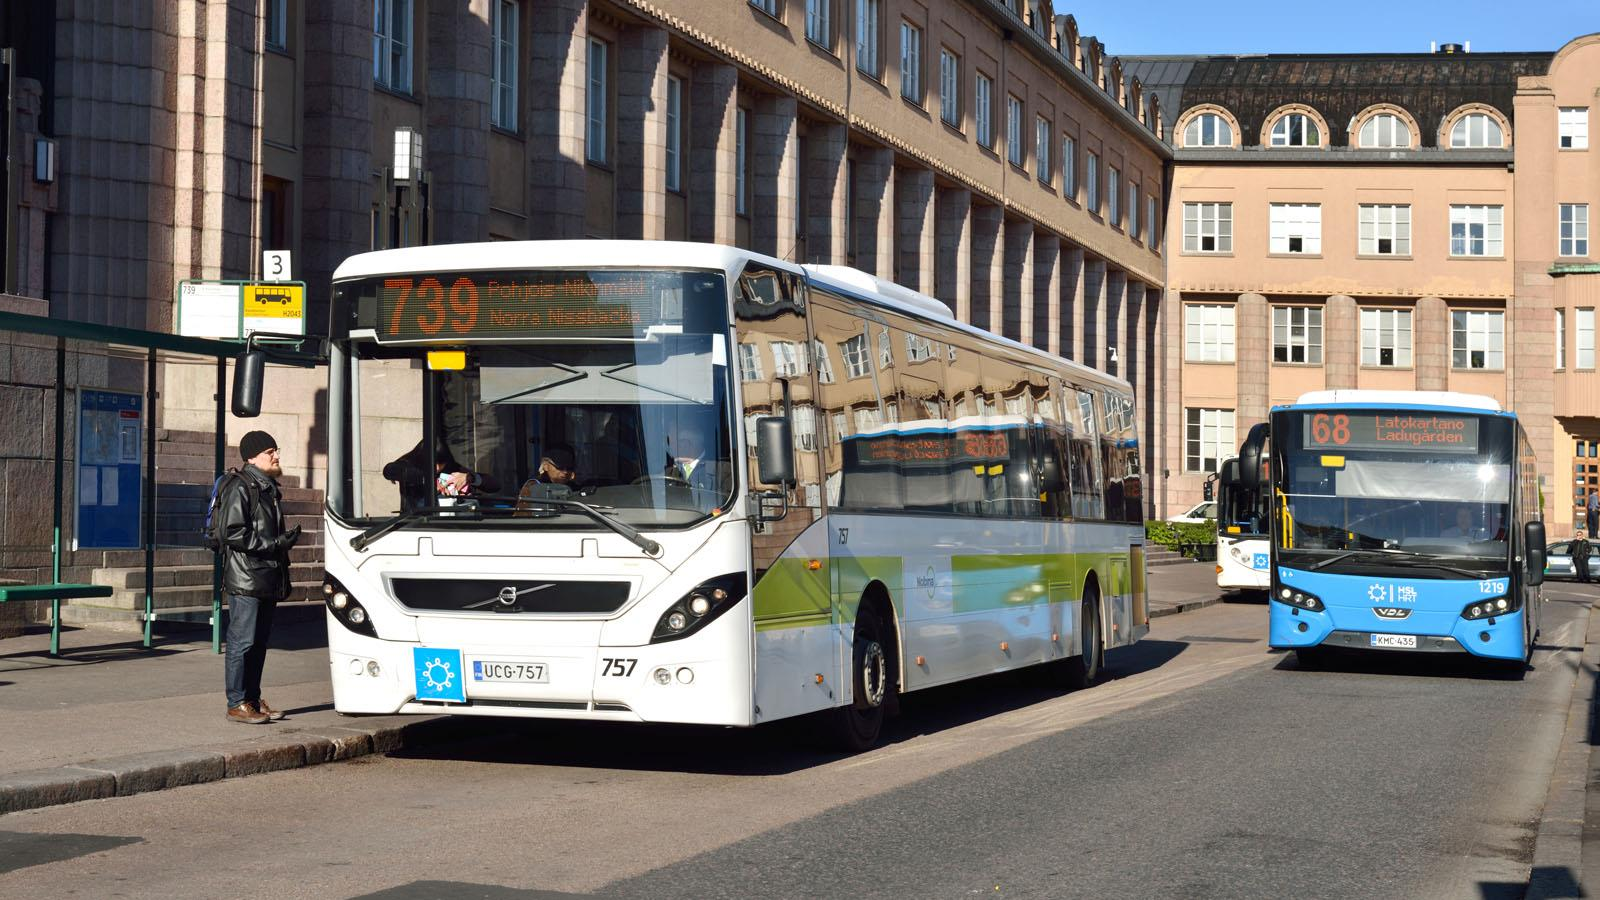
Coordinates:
(105, 397)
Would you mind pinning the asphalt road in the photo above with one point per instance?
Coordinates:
(1208, 768)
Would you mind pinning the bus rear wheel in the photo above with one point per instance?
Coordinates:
(858, 726)
(1085, 669)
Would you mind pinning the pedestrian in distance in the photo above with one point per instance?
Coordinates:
(1591, 513)
(1580, 557)
(255, 571)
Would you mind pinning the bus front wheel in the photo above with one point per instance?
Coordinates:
(858, 726)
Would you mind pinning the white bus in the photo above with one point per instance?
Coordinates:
(796, 489)
(1243, 542)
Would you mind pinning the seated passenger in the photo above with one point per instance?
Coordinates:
(422, 486)
(555, 479)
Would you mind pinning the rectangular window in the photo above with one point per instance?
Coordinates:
(1152, 228)
(1385, 229)
(770, 7)
(1069, 168)
(1114, 195)
(1386, 337)
(599, 82)
(1208, 228)
(1297, 334)
(1574, 230)
(1041, 150)
(1477, 339)
(1477, 230)
(819, 28)
(391, 44)
(1295, 228)
(867, 17)
(950, 88)
(1574, 128)
(741, 156)
(278, 24)
(504, 98)
(674, 133)
(1014, 150)
(1208, 332)
(911, 62)
(1583, 332)
(1091, 182)
(1133, 210)
(1561, 339)
(983, 114)
(1208, 439)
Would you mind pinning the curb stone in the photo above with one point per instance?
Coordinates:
(139, 773)
(1185, 606)
(1558, 844)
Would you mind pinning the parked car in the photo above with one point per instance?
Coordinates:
(1204, 511)
(1558, 562)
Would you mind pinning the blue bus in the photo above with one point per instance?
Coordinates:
(1401, 521)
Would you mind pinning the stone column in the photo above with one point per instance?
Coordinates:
(953, 263)
(460, 67)
(1530, 361)
(1341, 343)
(1046, 291)
(1015, 316)
(1131, 350)
(1160, 399)
(827, 219)
(1253, 350)
(1116, 294)
(774, 165)
(913, 194)
(713, 155)
(558, 117)
(337, 191)
(874, 212)
(642, 133)
(1172, 411)
(987, 265)
(1430, 348)
(1071, 301)
(1092, 346)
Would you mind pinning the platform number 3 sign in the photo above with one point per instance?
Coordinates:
(275, 265)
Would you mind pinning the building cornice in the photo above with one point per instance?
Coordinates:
(1426, 156)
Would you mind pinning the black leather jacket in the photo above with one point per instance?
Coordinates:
(255, 553)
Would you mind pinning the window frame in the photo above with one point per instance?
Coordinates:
(1195, 443)
(1569, 243)
(1222, 237)
(950, 87)
(1372, 323)
(819, 23)
(1468, 324)
(1561, 338)
(1310, 131)
(1210, 333)
(1281, 227)
(503, 90)
(1396, 122)
(384, 44)
(1043, 134)
(869, 38)
(770, 7)
(1310, 348)
(277, 30)
(1133, 209)
(1466, 121)
(1114, 196)
(1016, 152)
(597, 102)
(1091, 183)
(741, 161)
(911, 62)
(674, 143)
(1378, 225)
(1069, 167)
(1580, 361)
(983, 111)
(1572, 127)
(1222, 130)
(1492, 237)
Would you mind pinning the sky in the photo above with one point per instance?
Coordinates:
(1332, 26)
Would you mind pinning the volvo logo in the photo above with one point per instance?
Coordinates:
(508, 596)
(1391, 612)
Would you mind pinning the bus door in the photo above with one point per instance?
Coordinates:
(791, 602)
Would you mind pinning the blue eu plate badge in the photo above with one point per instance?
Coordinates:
(439, 675)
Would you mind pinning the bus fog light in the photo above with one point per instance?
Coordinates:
(340, 599)
(355, 667)
(1483, 636)
(686, 675)
(699, 605)
(358, 616)
(327, 589)
(677, 621)
(662, 676)
(1302, 627)
(373, 668)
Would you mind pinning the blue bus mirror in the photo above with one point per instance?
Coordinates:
(249, 375)
(1533, 551)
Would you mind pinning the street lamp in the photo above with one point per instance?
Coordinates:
(406, 172)
(407, 154)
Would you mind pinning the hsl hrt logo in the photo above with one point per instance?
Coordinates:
(1378, 592)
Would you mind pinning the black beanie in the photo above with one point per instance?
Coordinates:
(254, 443)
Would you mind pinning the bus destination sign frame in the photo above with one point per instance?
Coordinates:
(475, 306)
(1408, 432)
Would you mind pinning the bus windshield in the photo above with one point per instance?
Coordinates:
(625, 414)
(1405, 483)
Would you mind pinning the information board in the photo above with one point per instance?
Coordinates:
(1413, 431)
(109, 487)
(526, 304)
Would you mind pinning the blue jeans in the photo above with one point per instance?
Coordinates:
(249, 626)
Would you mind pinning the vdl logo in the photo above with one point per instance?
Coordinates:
(1378, 592)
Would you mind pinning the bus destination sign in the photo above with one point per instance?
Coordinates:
(492, 305)
(1417, 432)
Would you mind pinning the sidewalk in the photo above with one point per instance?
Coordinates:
(110, 718)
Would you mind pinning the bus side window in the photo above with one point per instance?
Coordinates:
(925, 445)
(964, 383)
(1010, 488)
(1088, 501)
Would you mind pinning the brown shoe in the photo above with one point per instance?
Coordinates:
(269, 712)
(246, 713)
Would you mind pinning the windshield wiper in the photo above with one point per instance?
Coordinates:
(593, 512)
(1402, 558)
(360, 542)
(1349, 553)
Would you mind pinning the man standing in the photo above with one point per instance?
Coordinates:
(1592, 513)
(1580, 558)
(255, 571)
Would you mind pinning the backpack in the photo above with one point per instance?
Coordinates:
(209, 535)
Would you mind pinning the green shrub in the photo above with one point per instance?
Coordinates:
(1180, 535)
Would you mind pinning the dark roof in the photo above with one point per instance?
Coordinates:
(1427, 85)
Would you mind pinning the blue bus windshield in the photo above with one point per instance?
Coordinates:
(1405, 482)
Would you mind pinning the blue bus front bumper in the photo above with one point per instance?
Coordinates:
(1352, 626)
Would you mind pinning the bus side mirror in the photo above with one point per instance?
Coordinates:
(1533, 552)
(1250, 457)
(249, 373)
(1207, 492)
(774, 451)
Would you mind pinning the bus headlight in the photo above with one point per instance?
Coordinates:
(1297, 598)
(346, 608)
(1493, 606)
(1239, 556)
(708, 600)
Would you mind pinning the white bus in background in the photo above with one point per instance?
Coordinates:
(798, 490)
(1244, 544)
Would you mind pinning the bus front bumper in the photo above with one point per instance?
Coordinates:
(1500, 637)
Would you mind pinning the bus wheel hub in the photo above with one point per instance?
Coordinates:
(874, 675)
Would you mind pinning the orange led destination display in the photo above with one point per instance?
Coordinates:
(1415, 432)
(464, 306)
(962, 446)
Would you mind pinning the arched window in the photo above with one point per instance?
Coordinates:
(1295, 130)
(1208, 130)
(1385, 131)
(1477, 130)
